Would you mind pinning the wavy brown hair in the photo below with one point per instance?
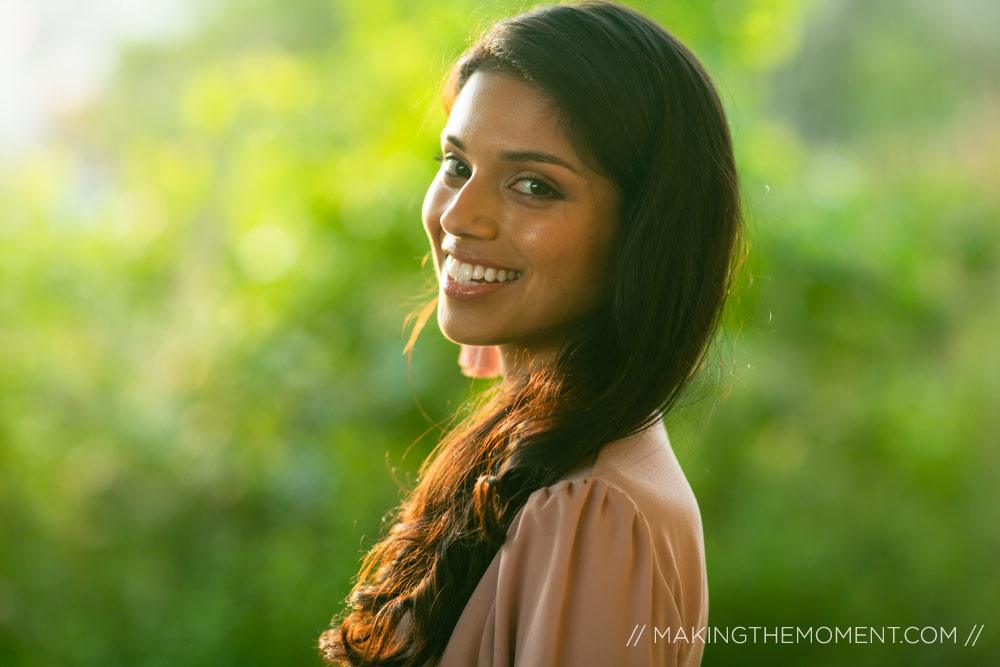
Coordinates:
(641, 110)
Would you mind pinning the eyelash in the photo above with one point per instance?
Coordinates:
(552, 193)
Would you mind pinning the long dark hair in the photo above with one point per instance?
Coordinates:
(641, 110)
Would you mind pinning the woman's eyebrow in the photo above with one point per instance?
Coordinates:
(522, 156)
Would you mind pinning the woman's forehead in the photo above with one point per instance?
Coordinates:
(500, 112)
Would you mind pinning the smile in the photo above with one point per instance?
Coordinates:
(476, 274)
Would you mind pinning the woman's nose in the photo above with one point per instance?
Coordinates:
(472, 211)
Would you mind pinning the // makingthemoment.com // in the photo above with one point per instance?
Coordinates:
(891, 634)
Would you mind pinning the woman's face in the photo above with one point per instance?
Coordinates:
(514, 198)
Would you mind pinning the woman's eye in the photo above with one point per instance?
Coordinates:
(535, 188)
(454, 167)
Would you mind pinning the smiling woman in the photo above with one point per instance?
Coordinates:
(513, 194)
(584, 225)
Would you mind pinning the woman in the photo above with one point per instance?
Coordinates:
(583, 226)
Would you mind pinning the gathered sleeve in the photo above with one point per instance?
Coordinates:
(578, 578)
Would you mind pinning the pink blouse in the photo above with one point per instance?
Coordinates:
(605, 567)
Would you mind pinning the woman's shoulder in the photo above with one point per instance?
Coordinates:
(641, 470)
(640, 474)
(609, 548)
(636, 481)
(570, 506)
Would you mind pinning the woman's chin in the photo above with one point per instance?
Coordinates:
(462, 337)
(460, 330)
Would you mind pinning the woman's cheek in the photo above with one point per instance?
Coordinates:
(431, 210)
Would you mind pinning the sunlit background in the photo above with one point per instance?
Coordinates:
(210, 236)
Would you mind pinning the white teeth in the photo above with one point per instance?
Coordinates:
(464, 273)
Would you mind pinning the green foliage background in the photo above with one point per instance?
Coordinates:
(204, 401)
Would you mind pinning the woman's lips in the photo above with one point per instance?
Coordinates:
(465, 272)
(465, 256)
(460, 292)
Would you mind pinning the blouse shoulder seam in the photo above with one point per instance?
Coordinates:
(558, 489)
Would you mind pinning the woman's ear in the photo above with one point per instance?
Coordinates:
(480, 361)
